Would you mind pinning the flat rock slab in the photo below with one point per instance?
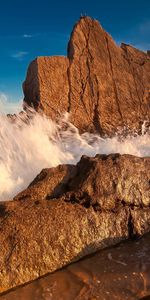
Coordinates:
(118, 273)
(72, 211)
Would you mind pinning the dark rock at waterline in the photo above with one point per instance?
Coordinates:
(104, 87)
(70, 211)
(121, 272)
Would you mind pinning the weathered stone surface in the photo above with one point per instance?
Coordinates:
(47, 79)
(117, 273)
(104, 87)
(71, 211)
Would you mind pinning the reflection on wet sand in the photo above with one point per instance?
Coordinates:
(118, 273)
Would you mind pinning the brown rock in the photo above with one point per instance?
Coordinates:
(104, 87)
(47, 79)
(117, 273)
(71, 211)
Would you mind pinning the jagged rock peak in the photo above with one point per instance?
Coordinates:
(104, 87)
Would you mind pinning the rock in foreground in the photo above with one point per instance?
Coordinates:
(104, 87)
(118, 273)
(71, 211)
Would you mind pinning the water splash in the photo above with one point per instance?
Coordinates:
(28, 147)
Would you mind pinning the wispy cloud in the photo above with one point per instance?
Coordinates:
(8, 106)
(138, 36)
(20, 55)
(27, 36)
(141, 36)
(144, 28)
(33, 35)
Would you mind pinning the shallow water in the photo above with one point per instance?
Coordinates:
(118, 273)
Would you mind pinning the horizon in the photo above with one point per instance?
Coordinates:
(28, 30)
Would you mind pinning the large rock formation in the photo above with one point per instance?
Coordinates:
(104, 87)
(71, 211)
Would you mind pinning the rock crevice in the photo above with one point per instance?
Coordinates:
(114, 80)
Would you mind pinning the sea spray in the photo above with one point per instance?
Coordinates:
(29, 145)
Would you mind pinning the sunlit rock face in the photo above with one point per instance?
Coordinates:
(104, 87)
(70, 211)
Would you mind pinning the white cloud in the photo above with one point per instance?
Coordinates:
(19, 55)
(27, 36)
(8, 106)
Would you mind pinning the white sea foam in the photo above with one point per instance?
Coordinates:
(25, 149)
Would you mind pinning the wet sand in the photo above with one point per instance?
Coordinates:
(118, 273)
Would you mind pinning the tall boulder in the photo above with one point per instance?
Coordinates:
(104, 87)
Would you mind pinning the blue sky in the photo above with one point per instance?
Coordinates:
(30, 28)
